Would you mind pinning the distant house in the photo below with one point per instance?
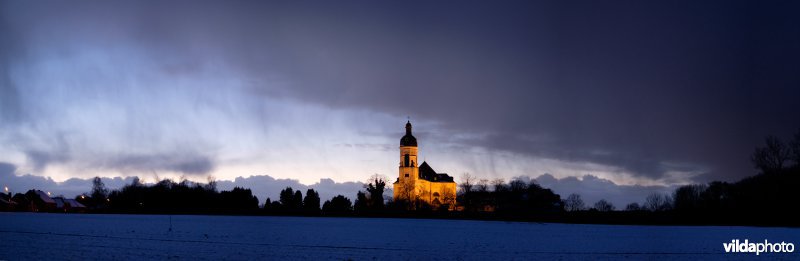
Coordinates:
(40, 201)
(23, 204)
(75, 206)
(6, 204)
(68, 205)
(60, 203)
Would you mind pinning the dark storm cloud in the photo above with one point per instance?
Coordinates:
(57, 151)
(186, 163)
(181, 162)
(9, 102)
(646, 87)
(40, 159)
(186, 160)
(7, 168)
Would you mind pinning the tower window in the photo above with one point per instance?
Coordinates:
(406, 175)
(406, 160)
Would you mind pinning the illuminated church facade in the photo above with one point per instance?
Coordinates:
(421, 183)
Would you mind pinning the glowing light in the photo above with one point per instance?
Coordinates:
(48, 193)
(6, 189)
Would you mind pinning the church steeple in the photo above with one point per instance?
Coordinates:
(408, 155)
(408, 139)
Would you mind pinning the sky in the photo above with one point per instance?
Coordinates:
(610, 99)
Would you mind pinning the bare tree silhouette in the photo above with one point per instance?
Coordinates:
(467, 182)
(574, 202)
(498, 184)
(604, 206)
(483, 185)
(794, 146)
(689, 197)
(772, 157)
(658, 202)
(633, 207)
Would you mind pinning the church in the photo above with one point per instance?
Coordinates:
(421, 183)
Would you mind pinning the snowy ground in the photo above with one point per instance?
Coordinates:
(37, 236)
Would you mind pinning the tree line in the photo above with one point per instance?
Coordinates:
(515, 197)
(767, 198)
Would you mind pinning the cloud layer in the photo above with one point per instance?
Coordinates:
(636, 93)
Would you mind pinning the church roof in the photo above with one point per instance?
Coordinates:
(427, 173)
(408, 139)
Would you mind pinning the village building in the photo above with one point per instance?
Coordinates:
(68, 205)
(421, 183)
(40, 201)
(6, 204)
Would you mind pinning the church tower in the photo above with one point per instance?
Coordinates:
(418, 182)
(408, 157)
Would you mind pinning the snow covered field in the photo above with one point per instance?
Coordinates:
(38, 236)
